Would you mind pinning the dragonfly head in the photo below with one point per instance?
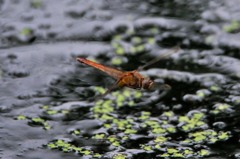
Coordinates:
(147, 84)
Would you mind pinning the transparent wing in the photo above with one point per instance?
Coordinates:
(163, 56)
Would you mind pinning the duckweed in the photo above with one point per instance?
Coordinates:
(204, 152)
(172, 151)
(145, 115)
(103, 107)
(136, 40)
(146, 147)
(26, 31)
(100, 90)
(221, 108)
(209, 136)
(36, 3)
(76, 132)
(168, 114)
(151, 41)
(116, 61)
(120, 50)
(117, 37)
(233, 27)
(38, 120)
(215, 88)
(45, 107)
(140, 48)
(191, 123)
(51, 112)
(119, 156)
(67, 147)
(133, 50)
(160, 139)
(130, 131)
(99, 136)
(114, 141)
(154, 30)
(138, 94)
(21, 117)
(203, 93)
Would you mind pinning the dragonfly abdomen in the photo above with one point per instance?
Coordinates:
(115, 73)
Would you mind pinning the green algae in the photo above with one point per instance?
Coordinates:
(132, 44)
(130, 131)
(160, 139)
(114, 141)
(136, 40)
(100, 90)
(99, 136)
(183, 153)
(103, 107)
(120, 50)
(208, 136)
(117, 61)
(40, 121)
(21, 117)
(204, 152)
(154, 30)
(151, 41)
(145, 115)
(233, 27)
(119, 156)
(36, 3)
(146, 147)
(51, 112)
(192, 123)
(67, 147)
(26, 31)
(76, 132)
(221, 108)
(215, 88)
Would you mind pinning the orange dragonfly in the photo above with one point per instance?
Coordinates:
(132, 79)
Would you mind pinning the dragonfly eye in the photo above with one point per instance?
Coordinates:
(147, 84)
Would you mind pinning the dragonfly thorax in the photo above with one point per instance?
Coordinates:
(147, 84)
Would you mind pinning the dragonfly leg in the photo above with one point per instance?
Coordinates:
(109, 90)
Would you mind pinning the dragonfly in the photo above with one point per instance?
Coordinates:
(132, 79)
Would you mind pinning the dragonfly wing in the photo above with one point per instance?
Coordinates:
(115, 73)
(163, 56)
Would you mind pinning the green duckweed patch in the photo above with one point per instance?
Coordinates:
(222, 108)
(118, 130)
(117, 61)
(192, 122)
(66, 146)
(41, 122)
(21, 117)
(36, 4)
(132, 44)
(26, 31)
(207, 136)
(119, 156)
(233, 27)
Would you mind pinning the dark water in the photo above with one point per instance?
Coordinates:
(45, 110)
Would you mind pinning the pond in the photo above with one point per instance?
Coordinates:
(48, 100)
